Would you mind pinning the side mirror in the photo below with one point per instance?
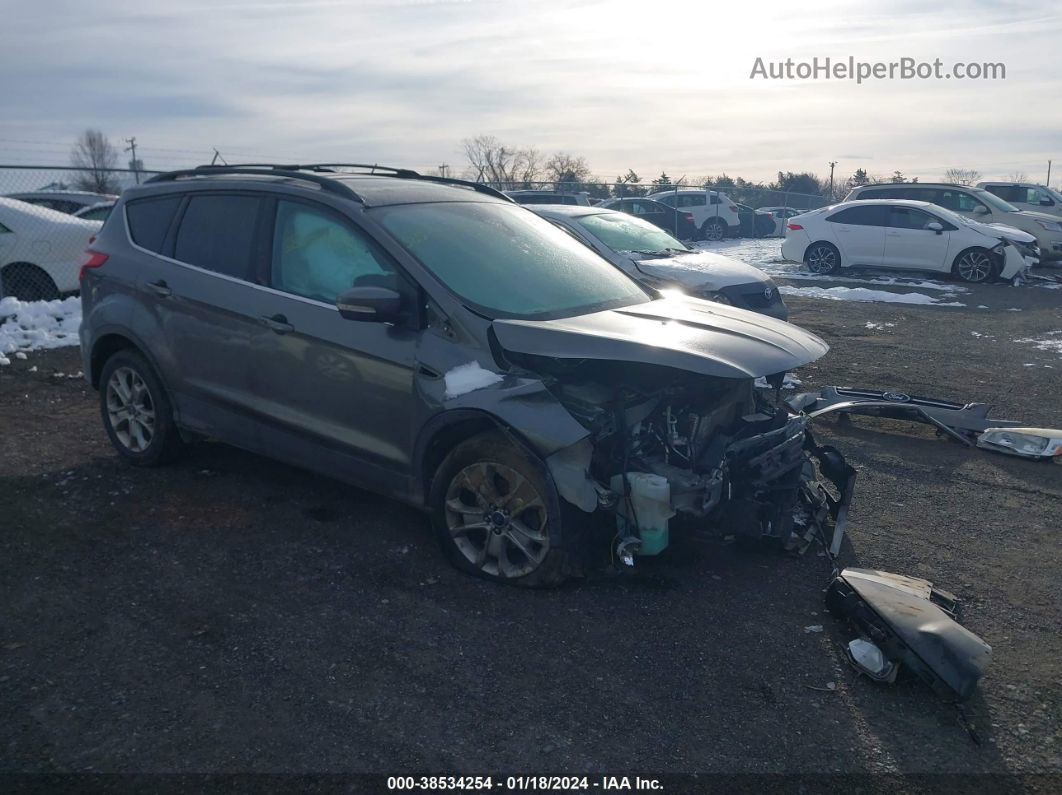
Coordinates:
(1046, 202)
(981, 210)
(369, 304)
(935, 226)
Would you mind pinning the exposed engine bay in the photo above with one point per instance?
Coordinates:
(734, 462)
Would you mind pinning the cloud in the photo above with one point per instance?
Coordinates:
(625, 84)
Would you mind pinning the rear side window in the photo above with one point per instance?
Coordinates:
(149, 220)
(217, 233)
(870, 215)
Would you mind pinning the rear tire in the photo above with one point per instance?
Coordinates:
(822, 258)
(27, 282)
(497, 514)
(136, 411)
(713, 229)
(975, 266)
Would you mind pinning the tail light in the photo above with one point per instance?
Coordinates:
(688, 217)
(733, 209)
(91, 259)
(794, 227)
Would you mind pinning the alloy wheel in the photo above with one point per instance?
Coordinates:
(974, 266)
(497, 519)
(130, 409)
(713, 231)
(822, 259)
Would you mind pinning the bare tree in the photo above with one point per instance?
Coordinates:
(501, 165)
(567, 169)
(962, 176)
(95, 159)
(1017, 176)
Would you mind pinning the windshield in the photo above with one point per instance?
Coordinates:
(994, 201)
(505, 261)
(622, 232)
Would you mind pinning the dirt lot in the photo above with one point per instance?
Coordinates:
(232, 614)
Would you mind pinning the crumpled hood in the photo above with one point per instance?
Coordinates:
(1010, 232)
(700, 269)
(682, 332)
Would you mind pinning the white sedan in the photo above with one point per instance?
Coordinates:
(40, 250)
(907, 235)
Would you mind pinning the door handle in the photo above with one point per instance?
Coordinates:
(278, 323)
(160, 288)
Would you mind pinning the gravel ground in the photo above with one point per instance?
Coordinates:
(228, 613)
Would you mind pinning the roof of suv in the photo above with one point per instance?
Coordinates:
(902, 185)
(389, 186)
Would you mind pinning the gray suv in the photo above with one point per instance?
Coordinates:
(436, 342)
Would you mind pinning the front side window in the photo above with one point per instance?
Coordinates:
(319, 255)
(982, 196)
(909, 218)
(505, 261)
(1037, 196)
(623, 233)
(217, 233)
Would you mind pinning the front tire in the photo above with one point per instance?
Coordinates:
(713, 229)
(136, 411)
(497, 514)
(975, 266)
(822, 258)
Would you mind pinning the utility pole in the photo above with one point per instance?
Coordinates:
(832, 164)
(217, 156)
(1048, 183)
(443, 169)
(133, 161)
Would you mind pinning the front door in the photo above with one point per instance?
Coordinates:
(332, 394)
(910, 244)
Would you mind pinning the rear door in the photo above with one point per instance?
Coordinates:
(332, 394)
(860, 233)
(195, 293)
(909, 244)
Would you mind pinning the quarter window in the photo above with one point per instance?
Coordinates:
(149, 221)
(217, 233)
(319, 255)
(957, 201)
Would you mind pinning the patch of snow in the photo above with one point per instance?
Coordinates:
(36, 325)
(864, 294)
(872, 325)
(467, 378)
(1050, 342)
(1013, 309)
(982, 306)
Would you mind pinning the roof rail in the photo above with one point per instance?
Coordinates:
(258, 169)
(313, 172)
(401, 173)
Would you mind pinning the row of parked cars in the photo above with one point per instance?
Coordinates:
(687, 213)
(970, 232)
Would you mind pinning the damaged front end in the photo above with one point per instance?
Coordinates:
(713, 453)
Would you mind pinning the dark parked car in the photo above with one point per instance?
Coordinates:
(675, 222)
(754, 223)
(436, 342)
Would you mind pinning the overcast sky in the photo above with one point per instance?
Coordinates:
(645, 85)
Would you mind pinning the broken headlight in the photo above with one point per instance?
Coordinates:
(1029, 442)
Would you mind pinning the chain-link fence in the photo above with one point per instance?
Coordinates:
(48, 215)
